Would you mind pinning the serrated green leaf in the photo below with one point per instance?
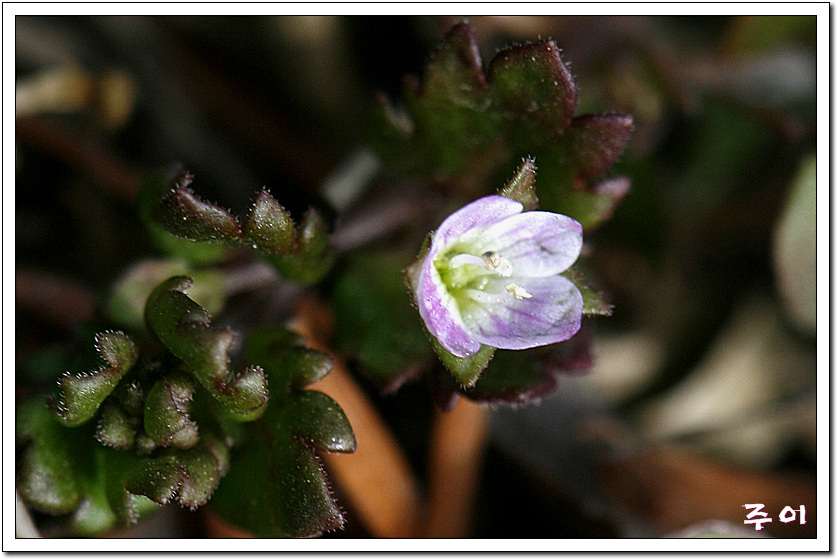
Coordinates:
(287, 356)
(276, 486)
(151, 192)
(64, 471)
(593, 206)
(276, 490)
(462, 128)
(182, 213)
(166, 420)
(532, 82)
(80, 395)
(188, 476)
(185, 329)
(130, 292)
(596, 141)
(312, 258)
(302, 255)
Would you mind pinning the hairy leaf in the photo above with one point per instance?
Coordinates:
(80, 395)
(462, 127)
(185, 329)
(302, 254)
(374, 321)
(276, 486)
(166, 419)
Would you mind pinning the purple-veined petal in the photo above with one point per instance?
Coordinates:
(553, 313)
(441, 314)
(536, 243)
(479, 214)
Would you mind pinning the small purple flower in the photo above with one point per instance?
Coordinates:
(491, 277)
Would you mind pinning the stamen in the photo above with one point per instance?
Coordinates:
(498, 264)
(517, 291)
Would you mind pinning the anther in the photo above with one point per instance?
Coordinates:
(517, 291)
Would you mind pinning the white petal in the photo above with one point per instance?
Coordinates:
(481, 213)
(536, 243)
(553, 313)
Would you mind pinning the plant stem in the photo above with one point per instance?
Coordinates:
(456, 455)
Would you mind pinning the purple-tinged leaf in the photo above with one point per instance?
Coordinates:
(596, 142)
(183, 214)
(532, 80)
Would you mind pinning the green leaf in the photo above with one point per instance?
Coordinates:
(522, 186)
(319, 422)
(595, 205)
(375, 323)
(166, 419)
(312, 257)
(46, 474)
(130, 292)
(532, 83)
(303, 255)
(188, 476)
(151, 192)
(115, 428)
(185, 215)
(463, 128)
(283, 350)
(64, 471)
(80, 395)
(268, 226)
(185, 329)
(276, 486)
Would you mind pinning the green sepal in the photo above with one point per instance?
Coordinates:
(522, 186)
(594, 301)
(80, 395)
(465, 370)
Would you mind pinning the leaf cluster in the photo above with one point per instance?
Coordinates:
(165, 422)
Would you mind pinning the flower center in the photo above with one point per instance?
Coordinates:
(467, 274)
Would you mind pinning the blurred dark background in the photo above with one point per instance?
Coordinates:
(702, 397)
